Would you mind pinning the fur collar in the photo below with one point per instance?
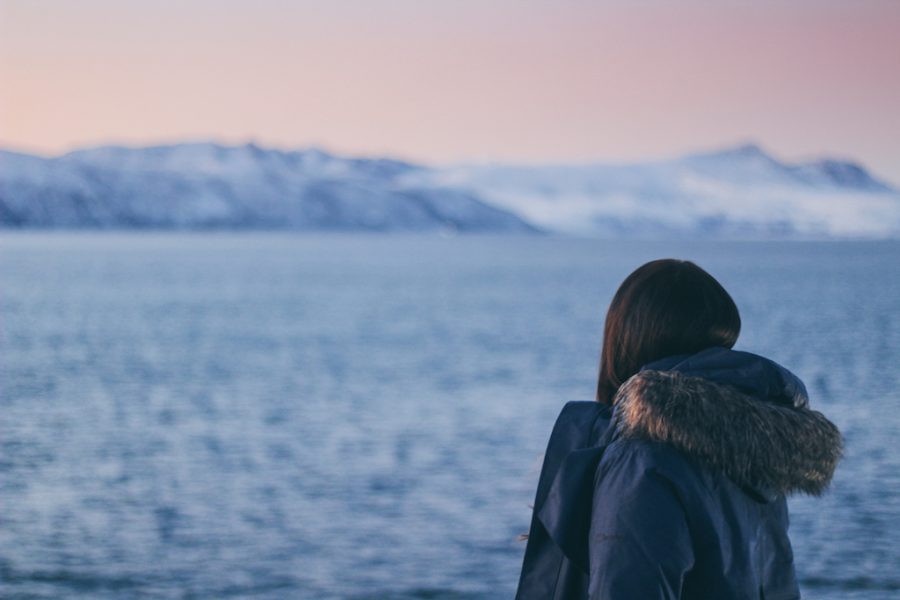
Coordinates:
(760, 445)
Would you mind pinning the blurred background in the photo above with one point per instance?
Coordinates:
(292, 292)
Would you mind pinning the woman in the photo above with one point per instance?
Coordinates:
(672, 485)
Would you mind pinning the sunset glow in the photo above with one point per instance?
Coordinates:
(455, 80)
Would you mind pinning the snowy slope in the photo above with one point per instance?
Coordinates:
(206, 185)
(739, 192)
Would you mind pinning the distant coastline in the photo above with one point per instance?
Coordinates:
(736, 193)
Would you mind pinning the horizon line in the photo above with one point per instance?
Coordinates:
(744, 143)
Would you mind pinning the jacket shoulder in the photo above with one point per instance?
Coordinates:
(627, 461)
(580, 424)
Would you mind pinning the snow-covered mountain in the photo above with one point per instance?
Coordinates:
(739, 192)
(203, 185)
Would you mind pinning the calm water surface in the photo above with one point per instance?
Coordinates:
(270, 416)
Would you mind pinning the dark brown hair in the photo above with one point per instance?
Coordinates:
(665, 307)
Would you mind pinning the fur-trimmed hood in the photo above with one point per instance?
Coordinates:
(743, 417)
(773, 443)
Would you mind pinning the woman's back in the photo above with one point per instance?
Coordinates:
(671, 528)
(681, 494)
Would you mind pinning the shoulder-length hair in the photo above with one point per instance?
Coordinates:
(664, 308)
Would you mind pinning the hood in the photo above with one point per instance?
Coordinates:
(750, 373)
(736, 412)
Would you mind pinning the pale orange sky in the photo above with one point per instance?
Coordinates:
(450, 80)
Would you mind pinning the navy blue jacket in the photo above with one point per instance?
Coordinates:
(679, 492)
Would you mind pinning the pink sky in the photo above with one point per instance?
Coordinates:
(449, 80)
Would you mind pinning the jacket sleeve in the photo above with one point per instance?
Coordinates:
(640, 543)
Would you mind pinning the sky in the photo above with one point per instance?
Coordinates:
(439, 81)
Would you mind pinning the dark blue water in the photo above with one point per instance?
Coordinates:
(269, 416)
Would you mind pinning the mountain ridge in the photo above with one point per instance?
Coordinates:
(738, 191)
(208, 185)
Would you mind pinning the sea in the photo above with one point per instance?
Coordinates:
(277, 416)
